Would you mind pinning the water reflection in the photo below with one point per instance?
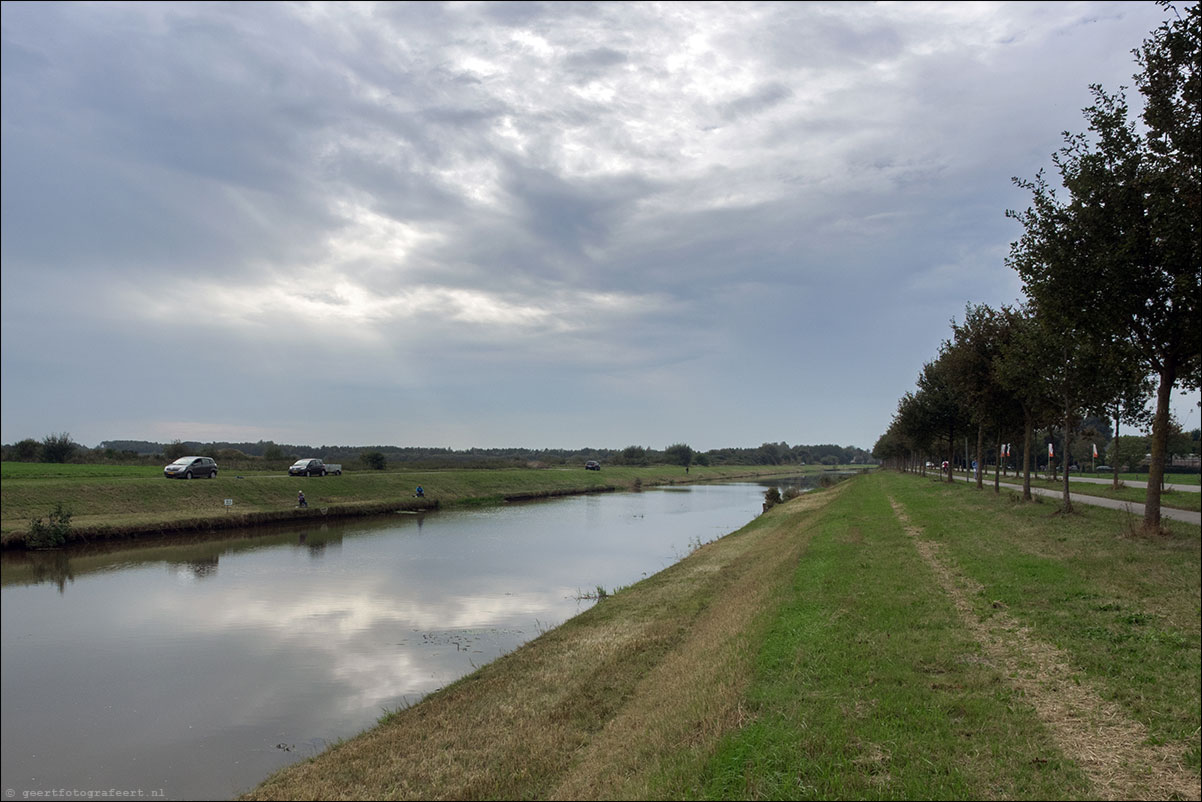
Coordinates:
(317, 542)
(203, 567)
(201, 665)
(50, 566)
(61, 566)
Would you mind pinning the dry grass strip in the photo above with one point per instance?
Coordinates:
(694, 695)
(587, 709)
(1111, 749)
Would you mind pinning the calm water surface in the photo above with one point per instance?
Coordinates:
(194, 670)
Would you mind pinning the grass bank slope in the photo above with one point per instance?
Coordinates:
(888, 638)
(108, 503)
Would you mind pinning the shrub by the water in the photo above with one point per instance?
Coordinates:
(771, 497)
(53, 532)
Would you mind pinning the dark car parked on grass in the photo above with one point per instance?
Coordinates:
(592, 465)
(313, 467)
(191, 468)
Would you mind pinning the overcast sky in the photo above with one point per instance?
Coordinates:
(554, 225)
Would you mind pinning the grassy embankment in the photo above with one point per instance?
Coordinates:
(888, 638)
(119, 501)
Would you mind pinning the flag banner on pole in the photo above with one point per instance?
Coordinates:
(1050, 454)
(1095, 450)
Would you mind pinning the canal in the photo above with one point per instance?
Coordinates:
(193, 668)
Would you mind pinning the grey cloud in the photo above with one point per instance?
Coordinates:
(595, 62)
(516, 14)
(820, 36)
(570, 214)
(111, 103)
(765, 97)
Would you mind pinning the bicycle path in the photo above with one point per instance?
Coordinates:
(1133, 483)
(1189, 516)
(1097, 481)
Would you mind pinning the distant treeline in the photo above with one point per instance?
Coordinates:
(60, 448)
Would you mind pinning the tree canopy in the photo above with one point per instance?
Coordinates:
(1111, 265)
(1115, 267)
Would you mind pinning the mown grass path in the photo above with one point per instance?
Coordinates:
(1112, 749)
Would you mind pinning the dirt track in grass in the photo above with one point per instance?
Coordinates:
(1111, 749)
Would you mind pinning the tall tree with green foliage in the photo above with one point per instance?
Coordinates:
(972, 353)
(633, 455)
(942, 403)
(1020, 367)
(911, 435)
(57, 447)
(679, 454)
(1130, 407)
(1127, 452)
(1124, 251)
(27, 450)
(374, 460)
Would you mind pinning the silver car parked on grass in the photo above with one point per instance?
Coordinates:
(191, 468)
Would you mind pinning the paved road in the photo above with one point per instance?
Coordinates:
(1130, 483)
(1110, 481)
(1189, 516)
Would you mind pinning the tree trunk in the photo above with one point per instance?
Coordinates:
(1053, 471)
(951, 454)
(1028, 436)
(1116, 447)
(1160, 439)
(997, 466)
(980, 455)
(1064, 457)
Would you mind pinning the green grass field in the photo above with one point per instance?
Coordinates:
(887, 638)
(118, 501)
(44, 470)
(887, 694)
